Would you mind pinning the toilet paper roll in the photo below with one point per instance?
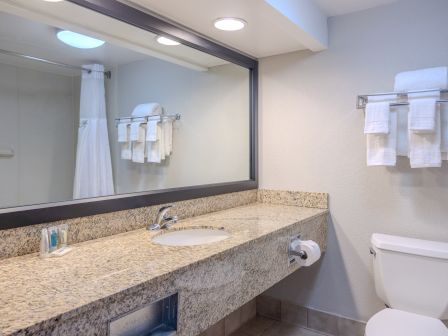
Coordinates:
(311, 248)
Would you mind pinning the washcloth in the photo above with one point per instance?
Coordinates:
(124, 139)
(123, 132)
(423, 79)
(382, 148)
(422, 111)
(377, 118)
(151, 130)
(137, 132)
(148, 109)
(168, 136)
(425, 148)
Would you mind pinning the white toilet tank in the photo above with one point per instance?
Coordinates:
(411, 274)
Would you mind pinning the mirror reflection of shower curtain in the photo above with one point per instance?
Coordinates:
(93, 173)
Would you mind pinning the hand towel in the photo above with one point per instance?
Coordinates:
(377, 118)
(138, 146)
(151, 130)
(126, 150)
(154, 149)
(443, 108)
(424, 148)
(422, 111)
(423, 79)
(168, 136)
(137, 132)
(138, 137)
(382, 148)
(148, 109)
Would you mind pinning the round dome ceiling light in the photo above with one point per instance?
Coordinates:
(230, 24)
(166, 41)
(77, 40)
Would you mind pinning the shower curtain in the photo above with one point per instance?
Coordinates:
(93, 173)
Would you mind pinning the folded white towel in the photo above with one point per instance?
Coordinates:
(148, 109)
(443, 108)
(168, 136)
(151, 130)
(154, 149)
(137, 132)
(424, 148)
(377, 118)
(138, 146)
(123, 132)
(422, 115)
(126, 150)
(423, 79)
(382, 148)
(422, 111)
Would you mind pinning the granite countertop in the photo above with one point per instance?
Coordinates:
(34, 290)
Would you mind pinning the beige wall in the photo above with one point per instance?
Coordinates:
(37, 121)
(210, 142)
(312, 140)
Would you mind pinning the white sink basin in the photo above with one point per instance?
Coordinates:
(191, 237)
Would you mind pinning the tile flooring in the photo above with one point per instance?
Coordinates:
(262, 326)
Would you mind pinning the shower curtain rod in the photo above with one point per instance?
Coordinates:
(107, 74)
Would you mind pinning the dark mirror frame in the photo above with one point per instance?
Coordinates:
(48, 212)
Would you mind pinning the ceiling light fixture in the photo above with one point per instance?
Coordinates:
(77, 40)
(230, 24)
(53, 0)
(166, 41)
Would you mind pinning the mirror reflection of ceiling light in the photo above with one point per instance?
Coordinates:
(77, 40)
(230, 24)
(166, 41)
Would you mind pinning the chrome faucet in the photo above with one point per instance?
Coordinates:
(162, 220)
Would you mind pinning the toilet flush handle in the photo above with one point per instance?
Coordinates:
(372, 251)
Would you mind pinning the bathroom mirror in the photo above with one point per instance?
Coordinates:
(104, 107)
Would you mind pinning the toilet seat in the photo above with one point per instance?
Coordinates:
(393, 322)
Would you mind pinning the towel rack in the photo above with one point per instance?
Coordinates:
(362, 100)
(146, 119)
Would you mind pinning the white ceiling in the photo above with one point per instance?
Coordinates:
(267, 32)
(263, 36)
(29, 27)
(341, 7)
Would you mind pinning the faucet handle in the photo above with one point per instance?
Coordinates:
(166, 207)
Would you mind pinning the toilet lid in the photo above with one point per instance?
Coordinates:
(393, 322)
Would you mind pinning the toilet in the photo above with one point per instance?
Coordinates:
(411, 277)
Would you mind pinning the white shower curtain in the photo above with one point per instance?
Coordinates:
(93, 173)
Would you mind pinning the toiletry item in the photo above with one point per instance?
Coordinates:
(44, 244)
(53, 238)
(62, 235)
(60, 252)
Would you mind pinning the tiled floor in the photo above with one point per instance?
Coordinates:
(261, 326)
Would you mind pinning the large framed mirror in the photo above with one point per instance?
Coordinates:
(105, 107)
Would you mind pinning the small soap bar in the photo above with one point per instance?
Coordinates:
(61, 252)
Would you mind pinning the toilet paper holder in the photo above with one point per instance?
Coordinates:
(292, 253)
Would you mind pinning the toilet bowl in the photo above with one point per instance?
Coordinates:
(394, 322)
(411, 276)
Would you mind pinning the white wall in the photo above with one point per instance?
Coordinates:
(210, 142)
(312, 140)
(37, 121)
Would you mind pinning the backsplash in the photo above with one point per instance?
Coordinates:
(296, 198)
(25, 240)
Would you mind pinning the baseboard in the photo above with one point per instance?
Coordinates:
(322, 322)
